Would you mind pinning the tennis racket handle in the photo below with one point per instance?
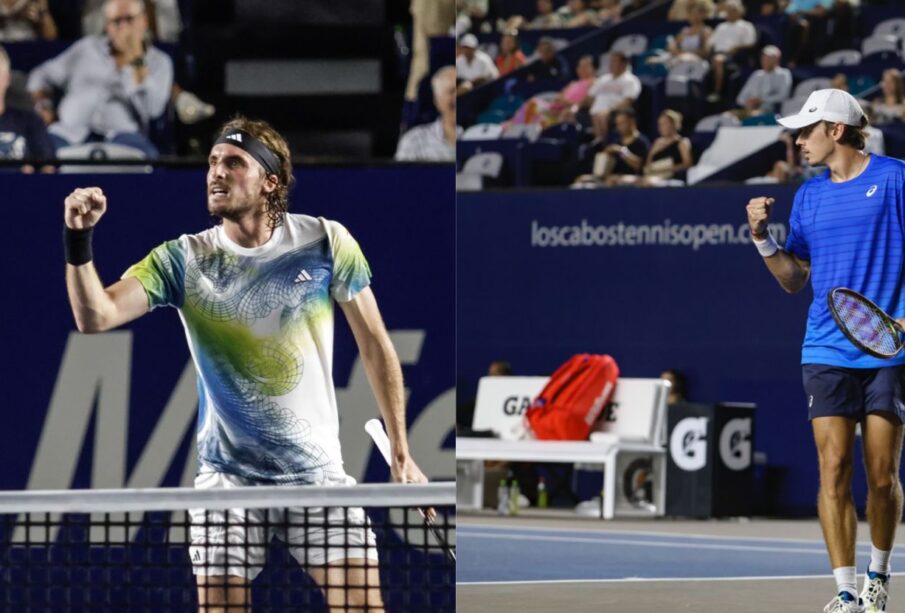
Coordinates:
(379, 436)
(898, 326)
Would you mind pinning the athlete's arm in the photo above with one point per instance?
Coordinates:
(97, 309)
(385, 375)
(791, 271)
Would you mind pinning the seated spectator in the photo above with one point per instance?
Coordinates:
(608, 11)
(113, 86)
(731, 39)
(22, 133)
(671, 152)
(615, 90)
(546, 112)
(549, 65)
(471, 15)
(26, 20)
(767, 87)
(163, 18)
(620, 162)
(693, 41)
(889, 106)
(510, 57)
(545, 19)
(436, 141)
(680, 10)
(808, 21)
(473, 66)
(577, 14)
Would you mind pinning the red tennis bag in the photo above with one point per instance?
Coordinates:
(573, 399)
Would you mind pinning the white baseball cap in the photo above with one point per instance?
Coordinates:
(469, 40)
(826, 105)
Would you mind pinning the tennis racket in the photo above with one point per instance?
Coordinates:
(865, 324)
(379, 436)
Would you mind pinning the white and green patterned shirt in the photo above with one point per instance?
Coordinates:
(259, 323)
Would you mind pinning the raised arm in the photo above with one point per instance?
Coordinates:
(385, 375)
(791, 272)
(96, 309)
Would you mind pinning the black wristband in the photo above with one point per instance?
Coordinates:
(77, 245)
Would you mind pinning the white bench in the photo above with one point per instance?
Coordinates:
(633, 427)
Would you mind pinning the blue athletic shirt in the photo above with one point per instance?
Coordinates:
(853, 233)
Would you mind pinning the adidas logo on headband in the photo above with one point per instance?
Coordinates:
(236, 137)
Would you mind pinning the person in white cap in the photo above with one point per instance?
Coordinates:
(846, 230)
(473, 66)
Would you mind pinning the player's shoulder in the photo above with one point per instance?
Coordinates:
(885, 164)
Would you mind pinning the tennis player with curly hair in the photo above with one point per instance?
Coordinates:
(255, 294)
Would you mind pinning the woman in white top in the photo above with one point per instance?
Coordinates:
(890, 105)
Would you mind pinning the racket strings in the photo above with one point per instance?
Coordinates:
(866, 325)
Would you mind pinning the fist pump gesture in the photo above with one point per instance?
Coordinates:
(758, 214)
(84, 207)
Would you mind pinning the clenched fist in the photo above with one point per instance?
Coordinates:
(758, 214)
(84, 207)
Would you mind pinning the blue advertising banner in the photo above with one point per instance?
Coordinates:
(656, 278)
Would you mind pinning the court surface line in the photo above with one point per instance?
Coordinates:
(649, 580)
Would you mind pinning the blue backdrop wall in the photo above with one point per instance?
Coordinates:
(656, 278)
(118, 409)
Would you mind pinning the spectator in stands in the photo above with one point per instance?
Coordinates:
(26, 20)
(839, 81)
(511, 56)
(473, 66)
(608, 11)
(808, 21)
(429, 18)
(767, 87)
(731, 40)
(889, 106)
(693, 41)
(163, 18)
(471, 15)
(678, 392)
(671, 152)
(680, 10)
(436, 141)
(545, 19)
(546, 112)
(549, 65)
(617, 89)
(577, 14)
(113, 86)
(621, 162)
(22, 133)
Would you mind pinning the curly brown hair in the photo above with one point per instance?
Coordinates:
(853, 136)
(278, 199)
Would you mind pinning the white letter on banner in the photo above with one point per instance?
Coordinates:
(688, 443)
(735, 443)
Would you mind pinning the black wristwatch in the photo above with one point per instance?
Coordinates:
(138, 62)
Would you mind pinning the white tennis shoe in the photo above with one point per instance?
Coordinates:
(843, 603)
(875, 592)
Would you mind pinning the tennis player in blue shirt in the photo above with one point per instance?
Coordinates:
(847, 228)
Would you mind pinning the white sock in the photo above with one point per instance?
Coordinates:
(879, 560)
(845, 580)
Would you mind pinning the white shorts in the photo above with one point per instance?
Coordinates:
(235, 541)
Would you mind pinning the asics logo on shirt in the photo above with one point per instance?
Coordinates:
(303, 276)
(870, 192)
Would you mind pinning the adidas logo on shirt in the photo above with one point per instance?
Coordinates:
(303, 276)
(235, 137)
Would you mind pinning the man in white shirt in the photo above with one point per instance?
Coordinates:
(618, 89)
(731, 37)
(766, 88)
(473, 66)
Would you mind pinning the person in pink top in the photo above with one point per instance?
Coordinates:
(548, 111)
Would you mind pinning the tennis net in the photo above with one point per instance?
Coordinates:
(167, 549)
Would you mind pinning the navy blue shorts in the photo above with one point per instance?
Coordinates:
(854, 392)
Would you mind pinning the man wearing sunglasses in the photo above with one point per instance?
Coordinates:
(112, 86)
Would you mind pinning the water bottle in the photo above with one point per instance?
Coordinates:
(514, 495)
(542, 501)
(502, 497)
